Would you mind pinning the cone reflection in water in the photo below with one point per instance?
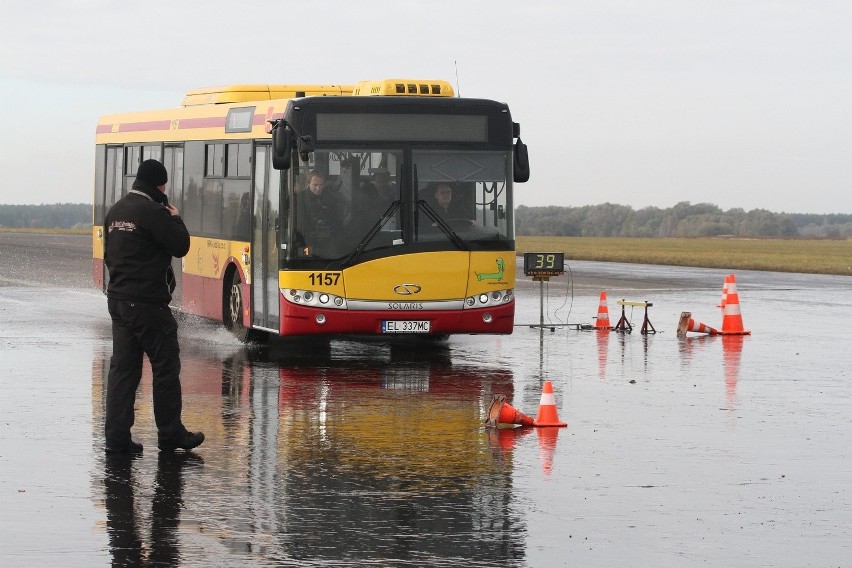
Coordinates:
(732, 350)
(547, 415)
(547, 438)
(603, 349)
(602, 319)
(732, 319)
(501, 414)
(503, 441)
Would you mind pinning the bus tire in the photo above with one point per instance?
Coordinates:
(233, 305)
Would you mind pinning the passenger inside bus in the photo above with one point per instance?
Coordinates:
(372, 200)
(319, 217)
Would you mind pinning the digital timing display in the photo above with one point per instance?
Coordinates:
(544, 263)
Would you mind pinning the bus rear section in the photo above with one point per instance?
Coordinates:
(438, 293)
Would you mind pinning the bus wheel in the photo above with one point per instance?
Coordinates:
(234, 310)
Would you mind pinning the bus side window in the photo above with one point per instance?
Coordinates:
(241, 230)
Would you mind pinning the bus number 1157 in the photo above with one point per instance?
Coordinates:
(324, 278)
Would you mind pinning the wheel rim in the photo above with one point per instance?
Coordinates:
(236, 304)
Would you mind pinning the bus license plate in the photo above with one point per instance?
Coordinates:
(405, 326)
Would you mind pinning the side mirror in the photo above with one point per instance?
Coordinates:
(520, 162)
(282, 145)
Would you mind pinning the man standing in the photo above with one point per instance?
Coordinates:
(143, 233)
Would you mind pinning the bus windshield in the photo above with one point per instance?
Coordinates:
(349, 202)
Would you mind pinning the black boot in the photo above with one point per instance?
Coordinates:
(185, 441)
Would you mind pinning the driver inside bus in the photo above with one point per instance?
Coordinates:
(319, 217)
(440, 198)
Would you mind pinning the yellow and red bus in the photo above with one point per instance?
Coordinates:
(379, 256)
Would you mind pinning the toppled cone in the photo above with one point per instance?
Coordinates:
(503, 414)
(547, 415)
(686, 323)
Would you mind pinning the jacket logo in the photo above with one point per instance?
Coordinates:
(407, 289)
(129, 226)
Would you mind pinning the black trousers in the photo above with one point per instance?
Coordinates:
(141, 328)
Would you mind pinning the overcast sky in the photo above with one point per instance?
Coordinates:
(643, 103)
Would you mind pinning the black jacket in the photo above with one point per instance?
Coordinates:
(140, 239)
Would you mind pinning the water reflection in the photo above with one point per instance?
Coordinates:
(124, 498)
(602, 338)
(695, 350)
(547, 438)
(331, 451)
(732, 350)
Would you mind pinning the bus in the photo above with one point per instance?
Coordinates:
(321, 209)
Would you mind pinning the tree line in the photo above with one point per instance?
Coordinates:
(53, 216)
(604, 220)
(682, 220)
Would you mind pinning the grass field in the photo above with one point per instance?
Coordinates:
(814, 256)
(781, 255)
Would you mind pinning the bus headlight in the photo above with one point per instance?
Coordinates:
(493, 298)
(313, 299)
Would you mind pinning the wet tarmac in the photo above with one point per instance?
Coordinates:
(710, 451)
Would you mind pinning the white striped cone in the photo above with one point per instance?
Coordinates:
(547, 414)
(732, 318)
(724, 293)
(602, 319)
(698, 327)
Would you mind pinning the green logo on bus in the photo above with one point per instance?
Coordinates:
(493, 275)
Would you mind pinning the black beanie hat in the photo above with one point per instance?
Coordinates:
(153, 173)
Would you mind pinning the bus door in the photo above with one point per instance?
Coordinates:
(173, 160)
(266, 226)
(109, 193)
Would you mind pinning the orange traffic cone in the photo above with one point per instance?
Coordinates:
(732, 319)
(699, 327)
(547, 408)
(602, 319)
(502, 413)
(686, 323)
(724, 293)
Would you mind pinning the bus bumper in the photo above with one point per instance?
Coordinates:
(303, 320)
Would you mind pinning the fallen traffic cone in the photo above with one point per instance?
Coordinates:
(686, 323)
(547, 408)
(602, 319)
(732, 318)
(502, 413)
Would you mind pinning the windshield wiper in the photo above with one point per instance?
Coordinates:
(392, 208)
(439, 221)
